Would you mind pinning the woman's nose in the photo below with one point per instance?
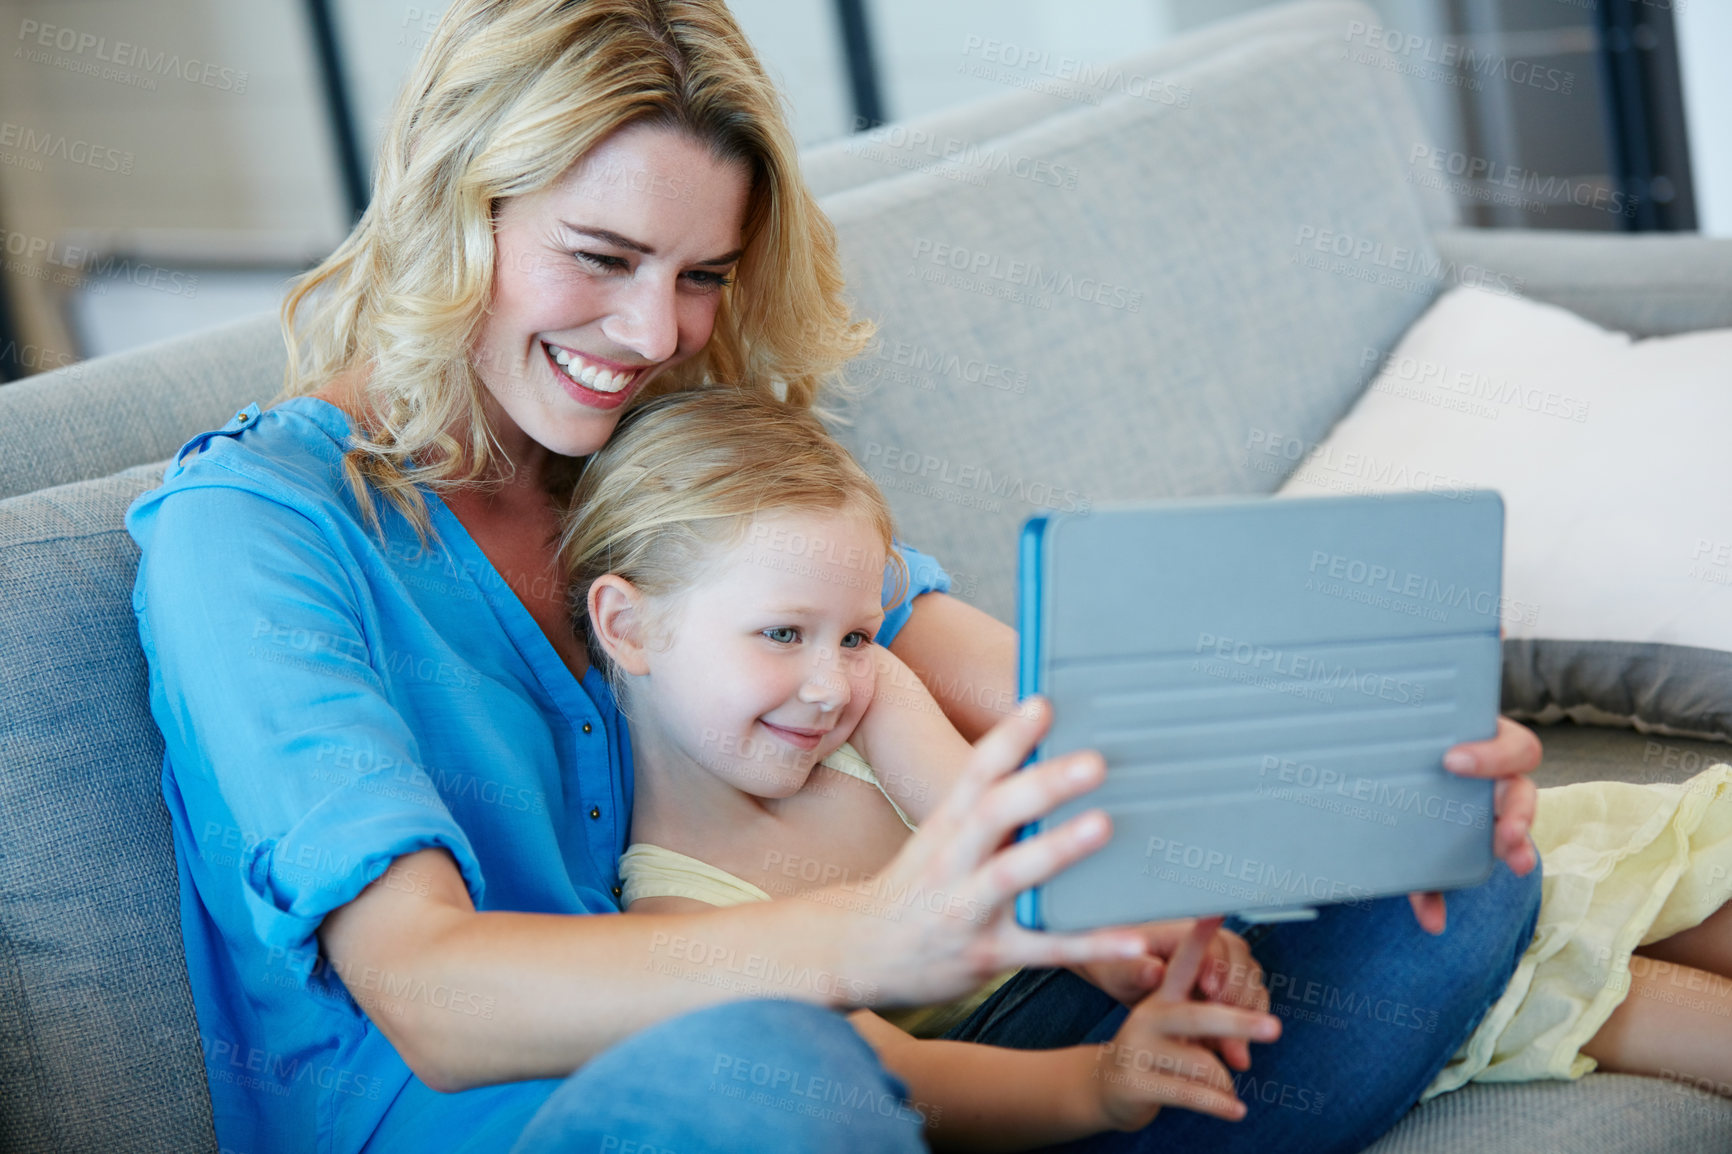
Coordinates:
(646, 318)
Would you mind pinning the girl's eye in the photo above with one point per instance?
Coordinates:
(601, 260)
(860, 639)
(783, 634)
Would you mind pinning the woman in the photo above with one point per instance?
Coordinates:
(393, 775)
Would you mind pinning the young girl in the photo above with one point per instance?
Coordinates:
(726, 558)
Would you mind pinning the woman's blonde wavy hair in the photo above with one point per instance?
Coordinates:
(683, 478)
(505, 98)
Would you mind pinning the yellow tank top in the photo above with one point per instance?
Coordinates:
(650, 871)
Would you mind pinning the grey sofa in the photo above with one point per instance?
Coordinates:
(1078, 301)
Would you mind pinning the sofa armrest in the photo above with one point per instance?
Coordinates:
(1649, 285)
(98, 416)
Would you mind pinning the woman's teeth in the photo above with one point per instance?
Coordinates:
(601, 380)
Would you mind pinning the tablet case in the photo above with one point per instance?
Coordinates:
(1273, 683)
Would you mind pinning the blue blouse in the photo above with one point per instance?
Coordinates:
(329, 702)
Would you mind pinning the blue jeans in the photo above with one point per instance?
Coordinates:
(1372, 1008)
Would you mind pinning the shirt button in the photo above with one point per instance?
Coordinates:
(616, 891)
(594, 811)
(586, 727)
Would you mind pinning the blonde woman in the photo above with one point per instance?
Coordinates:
(399, 791)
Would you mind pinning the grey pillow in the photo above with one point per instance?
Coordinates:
(99, 1044)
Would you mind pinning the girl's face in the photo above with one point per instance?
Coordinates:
(764, 667)
(607, 277)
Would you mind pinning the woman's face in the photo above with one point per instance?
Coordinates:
(607, 277)
(765, 667)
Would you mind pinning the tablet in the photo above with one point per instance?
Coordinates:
(1273, 684)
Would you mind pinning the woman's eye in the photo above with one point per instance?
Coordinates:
(783, 634)
(710, 281)
(601, 260)
(859, 639)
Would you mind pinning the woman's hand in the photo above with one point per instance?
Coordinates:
(939, 919)
(1156, 1060)
(1229, 974)
(1508, 758)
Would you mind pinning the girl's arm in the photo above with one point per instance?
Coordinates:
(979, 1097)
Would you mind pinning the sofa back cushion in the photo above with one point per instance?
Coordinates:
(99, 1044)
(114, 412)
(1146, 292)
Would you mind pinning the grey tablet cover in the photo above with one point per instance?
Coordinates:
(1273, 684)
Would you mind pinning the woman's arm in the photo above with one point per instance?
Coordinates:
(904, 735)
(968, 660)
(562, 988)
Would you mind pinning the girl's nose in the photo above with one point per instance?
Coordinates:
(825, 686)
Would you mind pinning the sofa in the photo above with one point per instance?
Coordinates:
(1085, 292)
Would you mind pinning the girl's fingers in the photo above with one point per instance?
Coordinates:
(1182, 968)
(1213, 1020)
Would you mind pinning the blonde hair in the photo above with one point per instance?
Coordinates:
(504, 99)
(683, 478)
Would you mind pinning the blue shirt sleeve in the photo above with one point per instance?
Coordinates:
(283, 748)
(925, 575)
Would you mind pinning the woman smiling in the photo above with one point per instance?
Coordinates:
(579, 204)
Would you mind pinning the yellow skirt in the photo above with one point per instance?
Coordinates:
(1624, 865)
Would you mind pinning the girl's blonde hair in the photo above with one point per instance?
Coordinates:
(504, 99)
(683, 478)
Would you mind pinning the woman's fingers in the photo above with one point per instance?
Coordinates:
(1034, 860)
(1516, 799)
(1429, 910)
(1512, 752)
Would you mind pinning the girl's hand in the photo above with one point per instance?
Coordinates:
(1229, 974)
(1156, 1060)
(1508, 757)
(939, 919)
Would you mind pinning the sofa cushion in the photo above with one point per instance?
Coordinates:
(99, 1044)
(1128, 334)
(114, 412)
(1617, 594)
(1601, 1114)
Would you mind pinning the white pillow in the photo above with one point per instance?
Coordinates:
(1611, 458)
